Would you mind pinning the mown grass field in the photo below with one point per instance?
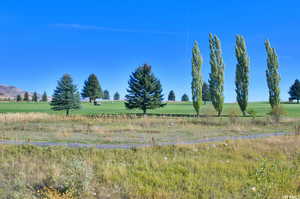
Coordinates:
(113, 107)
(263, 168)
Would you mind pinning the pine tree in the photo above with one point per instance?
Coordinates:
(65, 97)
(45, 97)
(242, 73)
(171, 96)
(144, 91)
(205, 93)
(34, 97)
(216, 82)
(273, 77)
(92, 89)
(26, 96)
(116, 96)
(185, 98)
(295, 91)
(19, 98)
(106, 95)
(196, 78)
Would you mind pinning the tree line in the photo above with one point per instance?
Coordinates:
(145, 91)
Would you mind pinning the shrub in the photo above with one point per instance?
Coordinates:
(276, 113)
(252, 113)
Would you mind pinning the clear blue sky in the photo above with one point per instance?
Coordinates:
(41, 40)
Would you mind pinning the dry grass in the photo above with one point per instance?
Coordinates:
(264, 168)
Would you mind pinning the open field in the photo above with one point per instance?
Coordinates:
(123, 129)
(113, 107)
(264, 168)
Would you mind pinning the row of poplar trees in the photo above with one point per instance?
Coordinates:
(216, 76)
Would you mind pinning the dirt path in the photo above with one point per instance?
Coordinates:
(128, 146)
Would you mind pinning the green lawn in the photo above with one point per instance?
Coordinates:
(262, 108)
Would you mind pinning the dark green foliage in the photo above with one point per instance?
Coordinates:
(185, 98)
(273, 77)
(216, 81)
(34, 97)
(196, 78)
(106, 95)
(45, 97)
(66, 96)
(295, 91)
(19, 98)
(242, 73)
(26, 96)
(116, 96)
(205, 93)
(171, 96)
(92, 89)
(144, 91)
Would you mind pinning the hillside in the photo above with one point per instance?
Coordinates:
(11, 92)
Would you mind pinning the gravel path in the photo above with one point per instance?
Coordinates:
(128, 146)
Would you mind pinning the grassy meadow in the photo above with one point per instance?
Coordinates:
(260, 168)
(264, 168)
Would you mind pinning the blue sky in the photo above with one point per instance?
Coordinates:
(41, 40)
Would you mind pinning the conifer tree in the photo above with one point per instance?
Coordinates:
(65, 97)
(92, 89)
(196, 78)
(273, 77)
(116, 96)
(45, 97)
(106, 95)
(171, 96)
(34, 97)
(19, 98)
(144, 90)
(216, 81)
(295, 91)
(26, 96)
(205, 93)
(185, 98)
(242, 73)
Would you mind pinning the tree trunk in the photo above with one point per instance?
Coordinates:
(297, 101)
(95, 103)
(244, 113)
(67, 112)
(90, 100)
(144, 111)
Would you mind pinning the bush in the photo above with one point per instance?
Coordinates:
(277, 113)
(252, 113)
(233, 116)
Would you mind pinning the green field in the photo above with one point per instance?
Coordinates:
(112, 107)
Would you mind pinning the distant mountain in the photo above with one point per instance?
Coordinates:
(12, 91)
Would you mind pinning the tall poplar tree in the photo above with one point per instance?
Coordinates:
(196, 78)
(34, 97)
(45, 97)
(66, 96)
(205, 93)
(242, 73)
(216, 81)
(26, 96)
(272, 74)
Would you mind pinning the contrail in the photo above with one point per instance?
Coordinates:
(109, 29)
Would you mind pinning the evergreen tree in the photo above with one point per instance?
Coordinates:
(295, 91)
(19, 98)
(196, 78)
(45, 97)
(144, 91)
(205, 93)
(216, 82)
(92, 89)
(116, 96)
(106, 95)
(171, 96)
(26, 96)
(185, 98)
(273, 77)
(242, 73)
(34, 97)
(66, 96)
